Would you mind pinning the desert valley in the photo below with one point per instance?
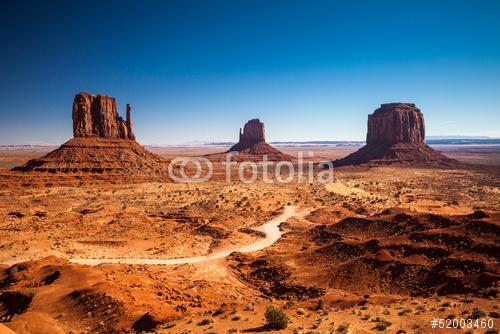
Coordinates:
(263, 166)
(98, 238)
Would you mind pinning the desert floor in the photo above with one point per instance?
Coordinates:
(380, 249)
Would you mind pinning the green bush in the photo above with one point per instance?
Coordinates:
(275, 317)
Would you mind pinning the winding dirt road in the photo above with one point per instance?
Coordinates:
(271, 230)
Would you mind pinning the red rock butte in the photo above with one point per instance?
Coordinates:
(254, 132)
(252, 143)
(97, 116)
(103, 143)
(396, 133)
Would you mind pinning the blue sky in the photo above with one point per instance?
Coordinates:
(197, 70)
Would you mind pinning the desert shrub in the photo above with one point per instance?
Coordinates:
(382, 324)
(493, 314)
(342, 329)
(301, 311)
(275, 317)
(490, 292)
(477, 313)
(236, 317)
(205, 322)
(405, 311)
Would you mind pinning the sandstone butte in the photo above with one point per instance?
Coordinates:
(396, 133)
(103, 143)
(97, 116)
(252, 143)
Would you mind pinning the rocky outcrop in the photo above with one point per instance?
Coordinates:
(252, 143)
(104, 143)
(394, 123)
(130, 131)
(253, 133)
(396, 133)
(97, 116)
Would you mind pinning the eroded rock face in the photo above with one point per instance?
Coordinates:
(253, 132)
(97, 116)
(253, 144)
(394, 123)
(396, 133)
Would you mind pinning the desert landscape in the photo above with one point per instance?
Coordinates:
(221, 166)
(93, 244)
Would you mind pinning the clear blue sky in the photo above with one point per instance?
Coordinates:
(197, 70)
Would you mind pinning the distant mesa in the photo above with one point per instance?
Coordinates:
(103, 143)
(252, 143)
(396, 133)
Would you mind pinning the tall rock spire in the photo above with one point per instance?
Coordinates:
(130, 131)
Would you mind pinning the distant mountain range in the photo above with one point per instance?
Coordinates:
(461, 137)
(431, 140)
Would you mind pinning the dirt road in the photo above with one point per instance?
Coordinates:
(271, 230)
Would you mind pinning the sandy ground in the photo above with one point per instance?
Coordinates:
(374, 249)
(271, 234)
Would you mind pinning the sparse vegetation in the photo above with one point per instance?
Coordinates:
(381, 324)
(206, 321)
(342, 328)
(405, 311)
(493, 315)
(477, 313)
(275, 317)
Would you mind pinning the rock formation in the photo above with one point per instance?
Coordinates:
(97, 116)
(103, 143)
(253, 132)
(252, 143)
(394, 123)
(396, 133)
